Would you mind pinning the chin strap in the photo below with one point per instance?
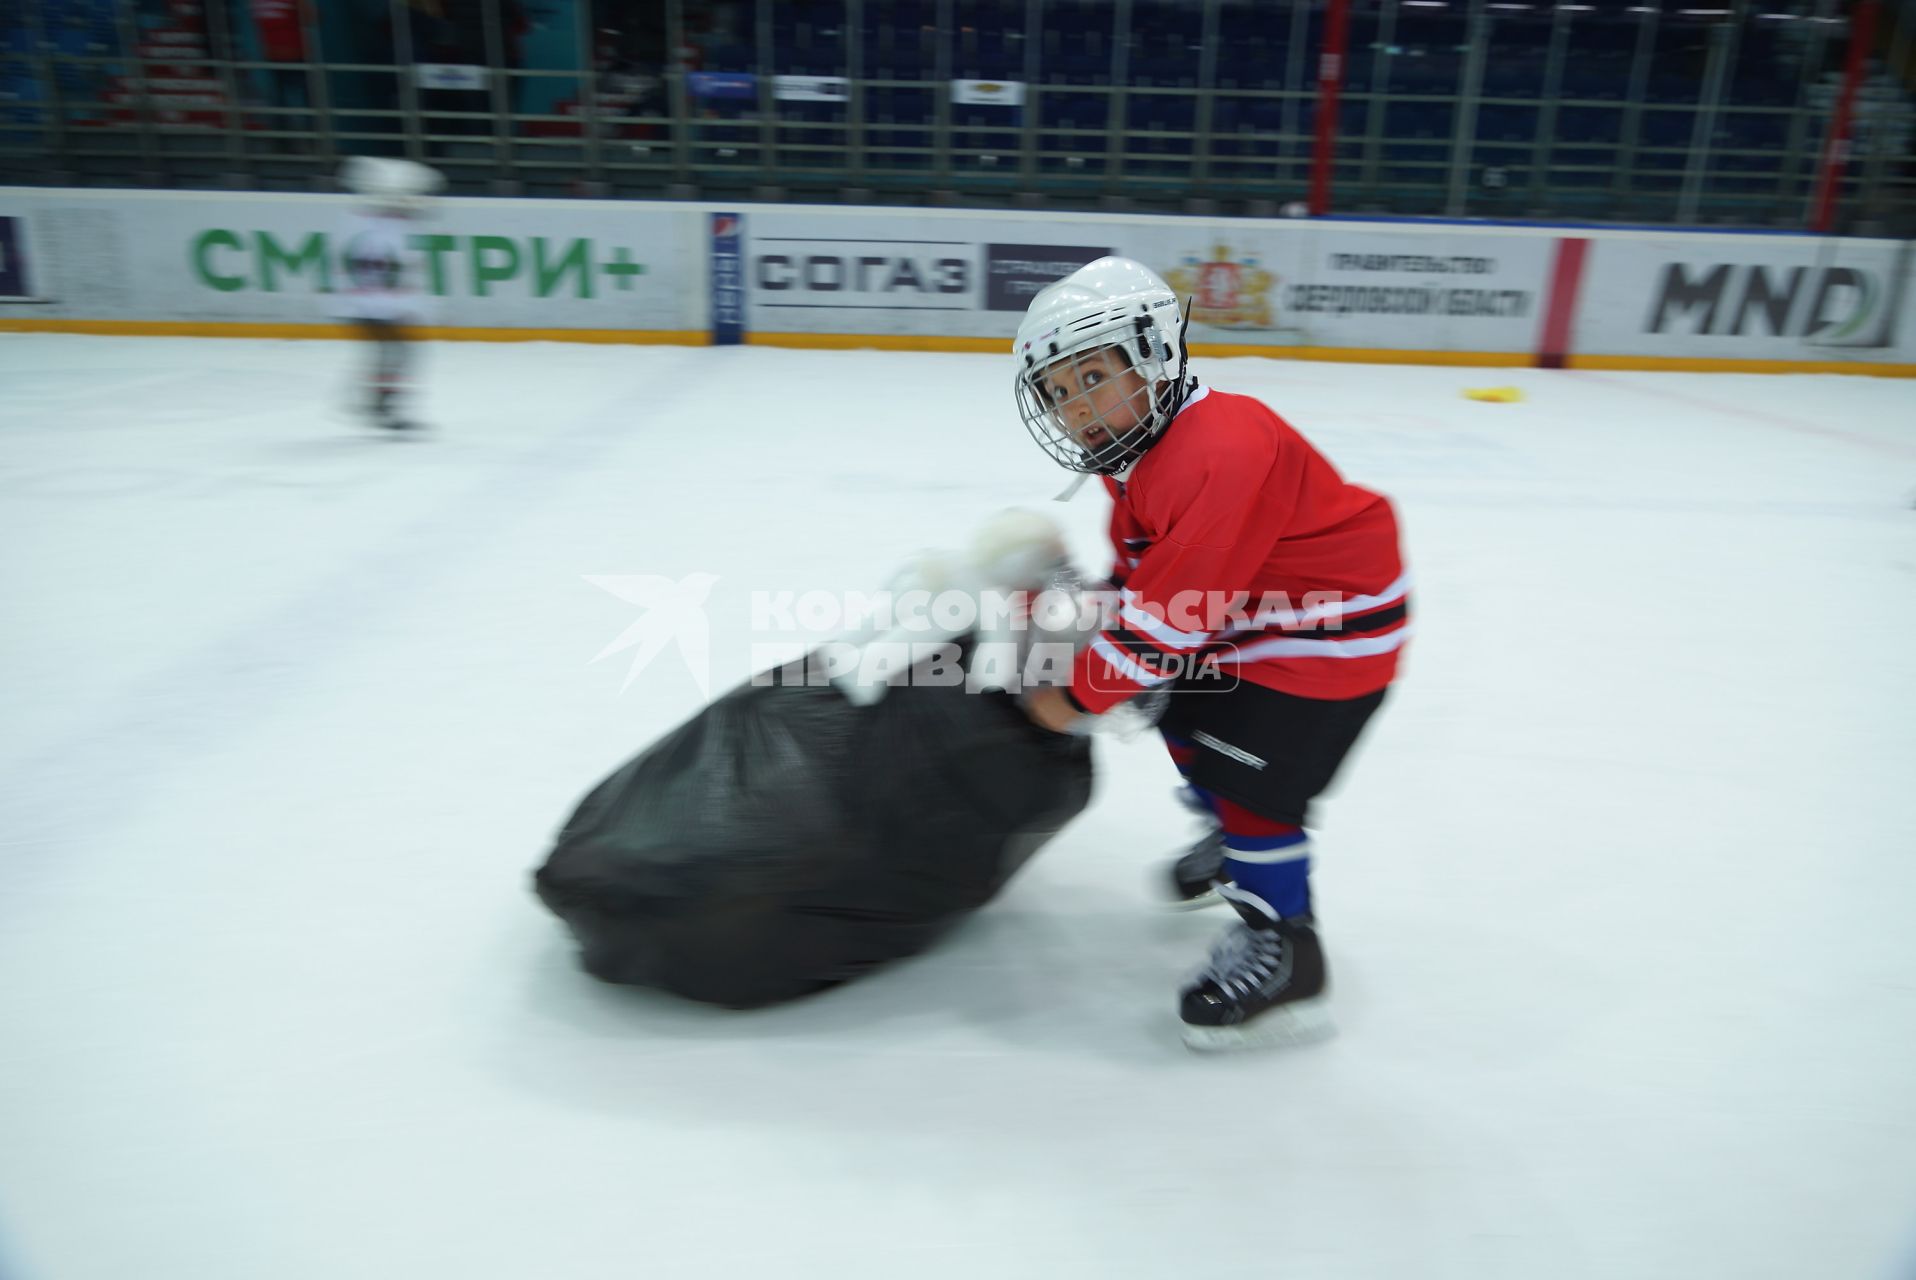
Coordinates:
(1070, 491)
(1180, 385)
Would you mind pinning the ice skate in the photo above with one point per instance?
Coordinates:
(1266, 984)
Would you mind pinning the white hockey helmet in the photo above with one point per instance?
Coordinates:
(1116, 304)
(400, 185)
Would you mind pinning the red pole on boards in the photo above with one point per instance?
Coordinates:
(1836, 146)
(1330, 79)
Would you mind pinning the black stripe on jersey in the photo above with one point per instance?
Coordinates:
(1134, 644)
(1381, 620)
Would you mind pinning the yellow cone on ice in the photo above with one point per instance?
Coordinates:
(1494, 395)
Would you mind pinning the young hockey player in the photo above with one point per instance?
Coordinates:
(383, 295)
(1266, 593)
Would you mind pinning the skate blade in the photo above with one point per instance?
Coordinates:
(1208, 898)
(1302, 1023)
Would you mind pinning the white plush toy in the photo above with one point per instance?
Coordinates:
(1014, 551)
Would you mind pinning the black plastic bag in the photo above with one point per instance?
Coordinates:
(783, 840)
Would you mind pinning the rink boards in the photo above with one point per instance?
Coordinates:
(260, 265)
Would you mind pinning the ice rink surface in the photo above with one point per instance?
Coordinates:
(1620, 893)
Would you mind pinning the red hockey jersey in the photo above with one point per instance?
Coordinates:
(1242, 552)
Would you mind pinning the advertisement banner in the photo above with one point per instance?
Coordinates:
(1276, 283)
(1306, 284)
(713, 85)
(988, 93)
(1744, 297)
(15, 283)
(960, 274)
(1014, 273)
(255, 257)
(965, 275)
(860, 273)
(811, 88)
(447, 75)
(728, 280)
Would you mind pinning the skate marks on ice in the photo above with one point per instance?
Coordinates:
(229, 680)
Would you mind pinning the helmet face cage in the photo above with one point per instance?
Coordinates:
(1052, 422)
(1134, 344)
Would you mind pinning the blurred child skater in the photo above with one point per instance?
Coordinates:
(1264, 592)
(383, 294)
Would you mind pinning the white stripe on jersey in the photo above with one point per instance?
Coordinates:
(1163, 632)
(1284, 616)
(1298, 647)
